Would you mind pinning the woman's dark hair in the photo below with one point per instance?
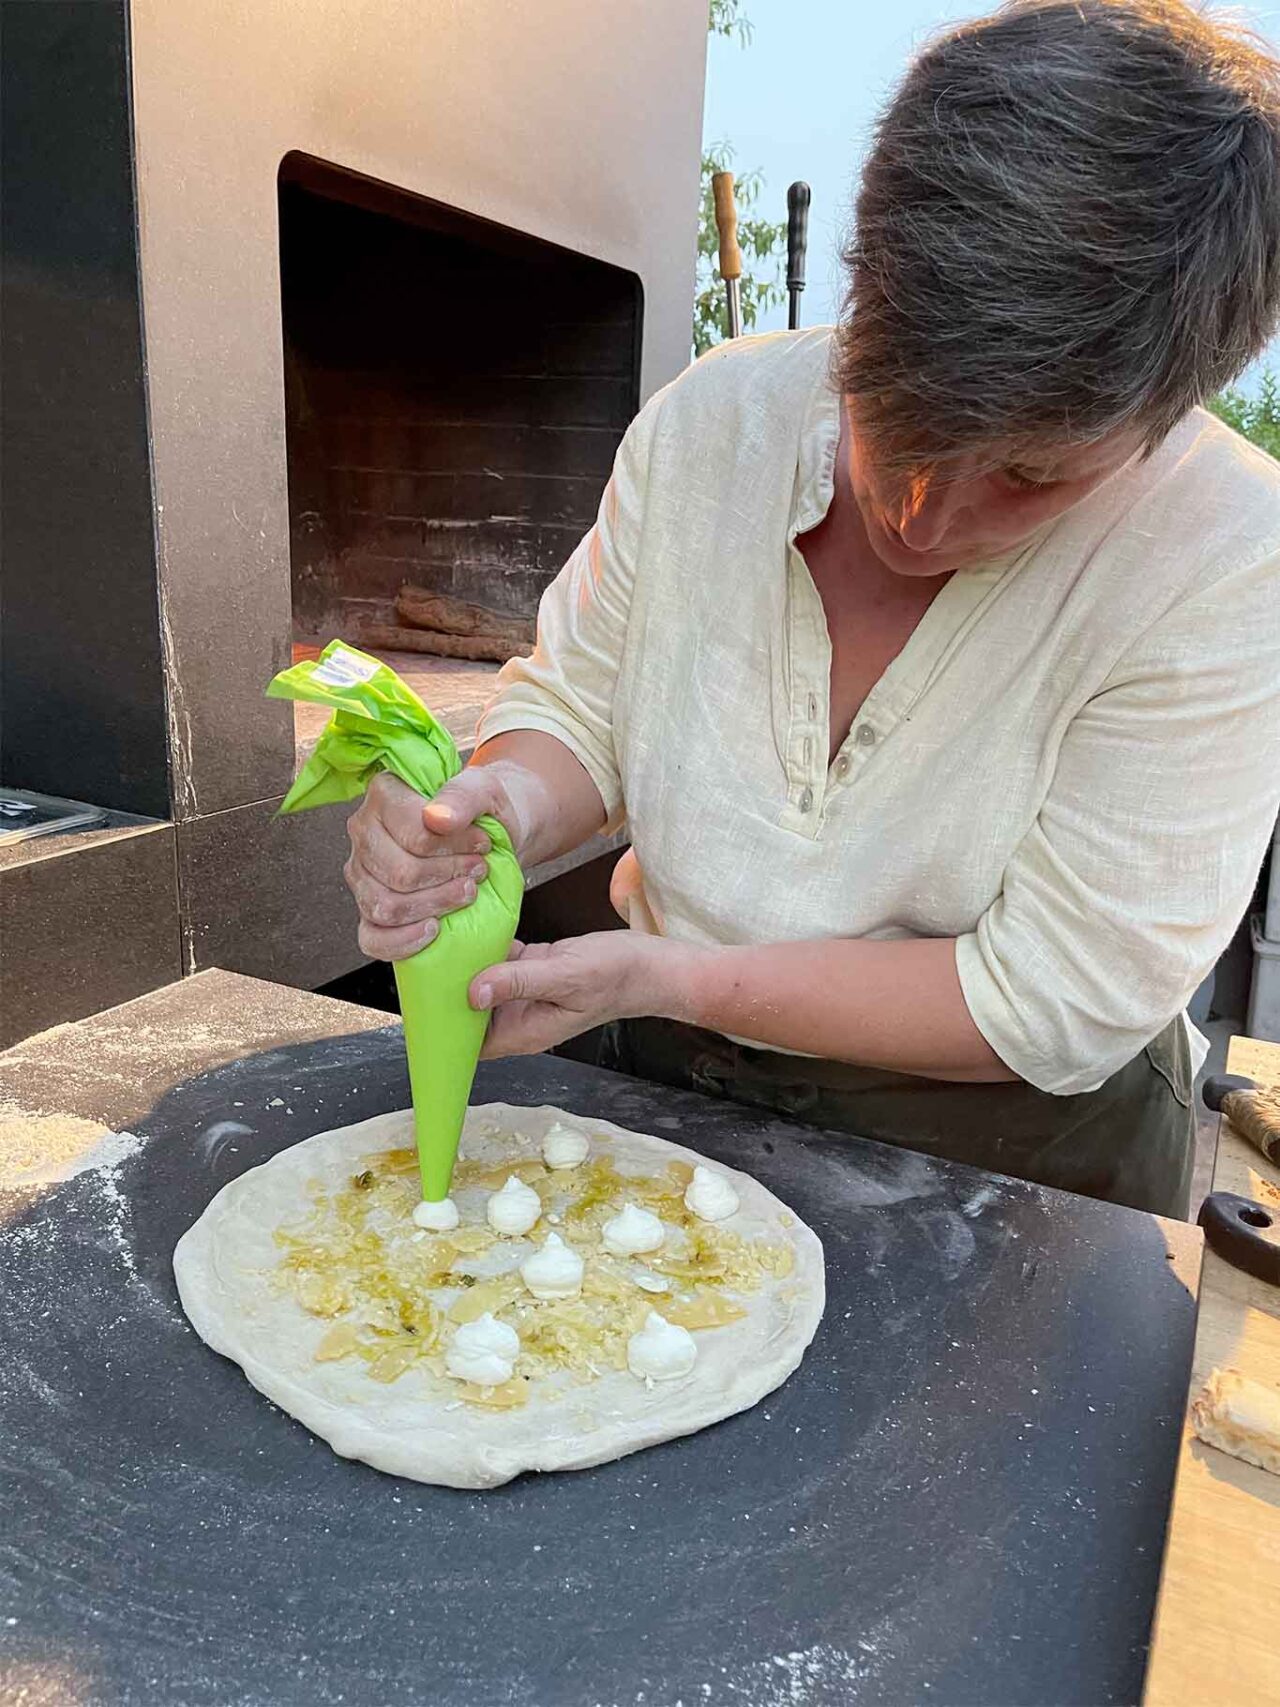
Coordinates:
(1069, 222)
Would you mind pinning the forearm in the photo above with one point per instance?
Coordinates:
(555, 806)
(896, 1005)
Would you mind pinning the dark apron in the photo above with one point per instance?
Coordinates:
(1131, 1141)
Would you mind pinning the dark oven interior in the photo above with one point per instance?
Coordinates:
(454, 395)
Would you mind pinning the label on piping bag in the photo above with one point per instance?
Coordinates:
(379, 724)
(341, 669)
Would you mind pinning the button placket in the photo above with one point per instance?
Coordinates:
(807, 744)
(860, 741)
(808, 778)
(807, 771)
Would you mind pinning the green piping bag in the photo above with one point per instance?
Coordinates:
(380, 724)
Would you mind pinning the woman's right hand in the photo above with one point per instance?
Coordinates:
(412, 860)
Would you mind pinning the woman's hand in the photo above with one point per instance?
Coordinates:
(547, 992)
(412, 861)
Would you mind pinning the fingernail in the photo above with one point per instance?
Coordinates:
(469, 890)
(479, 872)
(431, 933)
(484, 997)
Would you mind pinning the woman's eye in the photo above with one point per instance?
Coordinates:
(1027, 482)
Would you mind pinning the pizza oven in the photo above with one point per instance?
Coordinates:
(307, 331)
(454, 394)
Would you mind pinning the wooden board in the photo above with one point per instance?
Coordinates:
(1216, 1625)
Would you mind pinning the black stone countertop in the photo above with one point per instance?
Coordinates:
(960, 1497)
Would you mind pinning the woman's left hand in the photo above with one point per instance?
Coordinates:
(550, 991)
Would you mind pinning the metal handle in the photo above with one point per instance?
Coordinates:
(798, 197)
(1234, 1228)
(797, 245)
(727, 225)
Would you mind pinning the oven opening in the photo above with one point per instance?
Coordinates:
(454, 395)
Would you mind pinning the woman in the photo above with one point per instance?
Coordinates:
(934, 659)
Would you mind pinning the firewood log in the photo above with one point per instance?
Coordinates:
(443, 614)
(385, 636)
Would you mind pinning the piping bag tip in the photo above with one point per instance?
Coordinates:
(379, 724)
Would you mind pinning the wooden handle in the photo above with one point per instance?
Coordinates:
(1253, 1111)
(1256, 1116)
(727, 225)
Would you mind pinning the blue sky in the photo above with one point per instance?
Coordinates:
(800, 100)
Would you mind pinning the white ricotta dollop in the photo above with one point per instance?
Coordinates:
(661, 1351)
(563, 1147)
(439, 1217)
(709, 1196)
(553, 1271)
(514, 1209)
(632, 1231)
(483, 1352)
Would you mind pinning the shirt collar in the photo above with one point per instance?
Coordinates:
(816, 454)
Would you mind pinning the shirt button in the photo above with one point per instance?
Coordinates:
(842, 766)
(806, 800)
(866, 735)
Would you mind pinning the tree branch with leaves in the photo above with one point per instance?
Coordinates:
(762, 241)
(725, 18)
(1254, 418)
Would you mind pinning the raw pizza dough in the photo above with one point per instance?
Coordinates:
(417, 1426)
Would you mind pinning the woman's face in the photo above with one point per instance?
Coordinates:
(937, 527)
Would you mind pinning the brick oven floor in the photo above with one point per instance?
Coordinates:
(454, 689)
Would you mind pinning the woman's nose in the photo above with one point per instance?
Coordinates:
(927, 515)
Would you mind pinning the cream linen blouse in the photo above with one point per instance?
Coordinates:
(1072, 767)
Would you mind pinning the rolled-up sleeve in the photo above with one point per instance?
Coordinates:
(1144, 854)
(567, 687)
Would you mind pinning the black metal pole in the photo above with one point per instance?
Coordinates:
(797, 245)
